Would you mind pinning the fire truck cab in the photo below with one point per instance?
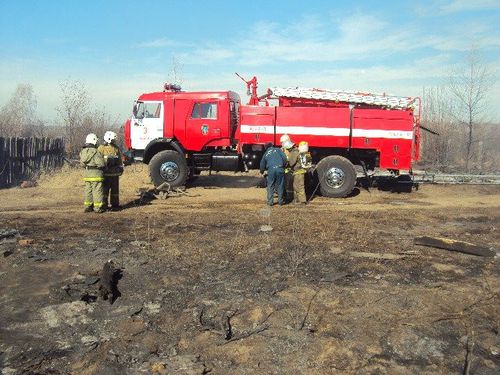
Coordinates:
(191, 128)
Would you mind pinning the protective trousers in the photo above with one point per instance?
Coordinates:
(275, 182)
(289, 186)
(299, 192)
(93, 194)
(111, 191)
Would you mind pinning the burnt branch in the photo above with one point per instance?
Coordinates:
(244, 335)
(302, 324)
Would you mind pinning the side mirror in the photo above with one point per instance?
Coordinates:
(134, 109)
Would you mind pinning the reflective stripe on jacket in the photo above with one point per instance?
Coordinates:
(93, 179)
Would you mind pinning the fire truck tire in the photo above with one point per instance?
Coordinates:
(168, 166)
(337, 176)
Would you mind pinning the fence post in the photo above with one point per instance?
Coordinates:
(26, 158)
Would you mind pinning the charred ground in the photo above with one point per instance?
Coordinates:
(336, 287)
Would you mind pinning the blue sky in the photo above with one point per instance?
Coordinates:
(120, 49)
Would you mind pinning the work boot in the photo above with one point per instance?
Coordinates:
(88, 209)
(115, 208)
(101, 210)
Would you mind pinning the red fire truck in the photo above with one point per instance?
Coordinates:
(179, 134)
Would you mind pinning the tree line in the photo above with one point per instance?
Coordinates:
(460, 111)
(76, 116)
(457, 110)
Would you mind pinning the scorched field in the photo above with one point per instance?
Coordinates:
(215, 282)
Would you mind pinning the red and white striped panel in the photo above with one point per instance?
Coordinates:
(326, 131)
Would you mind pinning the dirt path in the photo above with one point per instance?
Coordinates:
(336, 287)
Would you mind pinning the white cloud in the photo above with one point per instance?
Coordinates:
(56, 41)
(352, 38)
(307, 26)
(470, 5)
(358, 37)
(158, 43)
(361, 27)
(453, 38)
(352, 53)
(206, 55)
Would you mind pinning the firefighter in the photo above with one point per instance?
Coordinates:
(300, 168)
(112, 171)
(93, 161)
(299, 161)
(274, 161)
(285, 138)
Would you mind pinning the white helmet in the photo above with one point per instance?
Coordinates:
(284, 138)
(288, 144)
(91, 139)
(303, 146)
(109, 136)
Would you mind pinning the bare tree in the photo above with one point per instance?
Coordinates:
(436, 115)
(469, 85)
(98, 121)
(73, 110)
(18, 116)
(79, 117)
(488, 139)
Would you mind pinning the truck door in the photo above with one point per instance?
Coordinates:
(146, 123)
(202, 125)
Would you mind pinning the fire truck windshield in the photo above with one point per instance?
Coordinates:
(147, 110)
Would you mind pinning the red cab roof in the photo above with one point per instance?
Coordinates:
(201, 95)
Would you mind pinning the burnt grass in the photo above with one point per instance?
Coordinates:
(204, 290)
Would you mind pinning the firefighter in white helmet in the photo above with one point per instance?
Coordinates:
(284, 137)
(112, 171)
(286, 146)
(300, 162)
(93, 162)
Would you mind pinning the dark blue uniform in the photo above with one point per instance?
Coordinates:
(274, 161)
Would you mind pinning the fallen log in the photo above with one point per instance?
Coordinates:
(454, 245)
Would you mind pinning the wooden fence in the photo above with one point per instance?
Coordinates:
(25, 158)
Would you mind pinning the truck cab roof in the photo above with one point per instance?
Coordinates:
(194, 95)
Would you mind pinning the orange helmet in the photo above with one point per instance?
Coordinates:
(303, 146)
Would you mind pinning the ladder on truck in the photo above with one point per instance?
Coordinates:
(382, 100)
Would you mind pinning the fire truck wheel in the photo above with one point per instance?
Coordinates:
(337, 176)
(168, 166)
